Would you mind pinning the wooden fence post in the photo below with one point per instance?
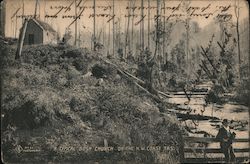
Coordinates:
(204, 152)
(181, 150)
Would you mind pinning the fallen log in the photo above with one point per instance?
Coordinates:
(140, 82)
(164, 94)
(222, 48)
(205, 66)
(186, 94)
(210, 61)
(185, 116)
(206, 71)
(129, 76)
(155, 97)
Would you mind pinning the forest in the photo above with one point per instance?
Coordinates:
(128, 90)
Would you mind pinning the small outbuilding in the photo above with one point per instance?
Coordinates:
(38, 32)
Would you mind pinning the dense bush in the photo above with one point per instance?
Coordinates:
(243, 92)
(28, 116)
(50, 96)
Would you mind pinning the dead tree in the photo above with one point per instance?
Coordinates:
(204, 53)
(127, 32)
(212, 74)
(35, 14)
(237, 13)
(113, 28)
(149, 24)
(142, 25)
(76, 22)
(21, 39)
(164, 29)
(157, 28)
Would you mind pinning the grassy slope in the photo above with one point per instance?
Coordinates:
(49, 101)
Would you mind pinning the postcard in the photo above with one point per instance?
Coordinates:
(124, 81)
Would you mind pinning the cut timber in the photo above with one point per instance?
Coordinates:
(211, 160)
(211, 154)
(21, 39)
(202, 139)
(190, 93)
(214, 150)
(184, 116)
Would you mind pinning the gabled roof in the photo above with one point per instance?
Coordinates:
(43, 25)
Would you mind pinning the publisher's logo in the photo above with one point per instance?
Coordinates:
(26, 149)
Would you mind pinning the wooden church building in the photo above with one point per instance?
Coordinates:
(38, 32)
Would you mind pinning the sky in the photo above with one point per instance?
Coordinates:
(203, 11)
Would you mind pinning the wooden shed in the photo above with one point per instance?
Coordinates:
(39, 32)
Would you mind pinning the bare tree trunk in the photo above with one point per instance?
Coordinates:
(187, 40)
(113, 28)
(132, 30)
(237, 13)
(21, 39)
(3, 12)
(76, 23)
(16, 27)
(127, 33)
(35, 14)
(23, 11)
(119, 32)
(187, 46)
(109, 35)
(142, 25)
(149, 24)
(164, 39)
(157, 27)
(103, 34)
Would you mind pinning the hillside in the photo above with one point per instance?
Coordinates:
(64, 102)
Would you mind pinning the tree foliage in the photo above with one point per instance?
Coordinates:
(178, 55)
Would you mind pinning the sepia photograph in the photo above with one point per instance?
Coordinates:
(124, 81)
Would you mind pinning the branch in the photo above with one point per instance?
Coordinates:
(210, 61)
